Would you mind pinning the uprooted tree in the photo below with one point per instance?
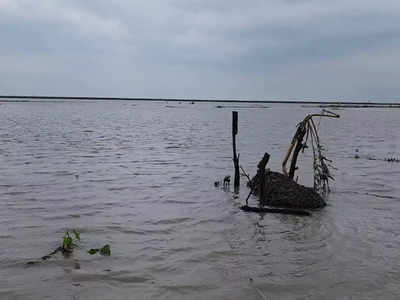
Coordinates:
(281, 190)
(321, 164)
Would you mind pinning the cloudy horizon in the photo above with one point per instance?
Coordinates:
(265, 50)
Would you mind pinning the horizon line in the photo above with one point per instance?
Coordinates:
(31, 97)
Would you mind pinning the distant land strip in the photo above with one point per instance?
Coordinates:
(16, 98)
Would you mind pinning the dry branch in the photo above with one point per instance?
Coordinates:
(321, 164)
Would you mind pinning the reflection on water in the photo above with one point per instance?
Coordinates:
(140, 178)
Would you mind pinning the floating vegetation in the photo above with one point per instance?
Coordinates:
(357, 155)
(105, 250)
(392, 158)
(70, 241)
(225, 183)
(242, 106)
(355, 105)
(93, 251)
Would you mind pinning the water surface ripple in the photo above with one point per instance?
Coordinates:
(140, 178)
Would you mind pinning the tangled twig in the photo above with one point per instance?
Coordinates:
(307, 131)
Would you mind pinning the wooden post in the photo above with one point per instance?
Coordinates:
(261, 176)
(236, 183)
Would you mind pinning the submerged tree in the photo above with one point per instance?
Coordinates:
(281, 191)
(306, 134)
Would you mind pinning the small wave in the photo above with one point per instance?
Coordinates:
(6, 236)
(121, 188)
(110, 276)
(15, 193)
(170, 221)
(188, 288)
(139, 231)
(382, 196)
(180, 202)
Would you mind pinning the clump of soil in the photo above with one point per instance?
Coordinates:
(284, 192)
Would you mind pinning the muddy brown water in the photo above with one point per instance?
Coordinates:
(140, 177)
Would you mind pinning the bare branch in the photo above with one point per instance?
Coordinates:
(307, 131)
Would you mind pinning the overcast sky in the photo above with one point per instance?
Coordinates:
(276, 49)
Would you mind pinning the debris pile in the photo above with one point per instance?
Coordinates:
(281, 191)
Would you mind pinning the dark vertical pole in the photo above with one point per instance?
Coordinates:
(235, 156)
(261, 175)
(300, 133)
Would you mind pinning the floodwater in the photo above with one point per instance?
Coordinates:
(140, 177)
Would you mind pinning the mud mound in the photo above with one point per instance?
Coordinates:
(284, 192)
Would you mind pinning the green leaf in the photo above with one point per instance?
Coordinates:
(77, 235)
(67, 242)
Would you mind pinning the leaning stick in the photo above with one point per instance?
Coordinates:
(284, 169)
(245, 174)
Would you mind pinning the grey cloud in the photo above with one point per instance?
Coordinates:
(202, 49)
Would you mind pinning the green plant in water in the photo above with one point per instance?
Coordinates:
(70, 242)
(105, 250)
(77, 235)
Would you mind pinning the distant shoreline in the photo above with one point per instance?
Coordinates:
(25, 98)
